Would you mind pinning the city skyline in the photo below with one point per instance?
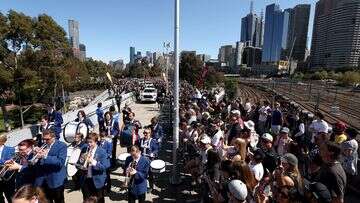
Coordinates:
(109, 32)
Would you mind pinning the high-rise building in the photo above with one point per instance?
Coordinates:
(297, 31)
(275, 35)
(82, 49)
(238, 53)
(204, 57)
(132, 55)
(226, 54)
(252, 56)
(336, 34)
(149, 56)
(252, 29)
(74, 33)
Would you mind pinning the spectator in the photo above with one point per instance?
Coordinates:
(276, 119)
(333, 175)
(256, 165)
(263, 116)
(270, 155)
(283, 141)
(339, 132)
(243, 172)
(318, 126)
(237, 191)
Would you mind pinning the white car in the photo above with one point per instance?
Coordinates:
(148, 94)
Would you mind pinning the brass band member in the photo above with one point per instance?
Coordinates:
(25, 172)
(50, 171)
(95, 164)
(6, 153)
(137, 168)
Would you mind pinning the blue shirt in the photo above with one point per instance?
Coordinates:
(100, 114)
(276, 117)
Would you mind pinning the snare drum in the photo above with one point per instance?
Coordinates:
(122, 158)
(157, 166)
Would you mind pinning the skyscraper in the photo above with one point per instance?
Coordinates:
(252, 29)
(225, 54)
(238, 53)
(298, 31)
(336, 34)
(74, 33)
(275, 37)
(132, 55)
(82, 48)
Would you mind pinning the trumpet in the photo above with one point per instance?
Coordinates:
(128, 180)
(5, 173)
(36, 157)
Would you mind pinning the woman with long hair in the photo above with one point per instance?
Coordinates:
(239, 148)
(287, 175)
(243, 172)
(29, 194)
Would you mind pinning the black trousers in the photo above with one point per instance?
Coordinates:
(108, 181)
(7, 188)
(88, 189)
(113, 153)
(151, 179)
(132, 198)
(101, 126)
(54, 195)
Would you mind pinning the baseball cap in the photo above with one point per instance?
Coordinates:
(290, 159)
(349, 145)
(267, 136)
(237, 112)
(284, 130)
(238, 189)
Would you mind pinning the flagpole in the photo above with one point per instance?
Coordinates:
(175, 179)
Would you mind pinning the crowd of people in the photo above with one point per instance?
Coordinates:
(242, 151)
(236, 150)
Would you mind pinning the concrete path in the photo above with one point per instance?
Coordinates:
(143, 113)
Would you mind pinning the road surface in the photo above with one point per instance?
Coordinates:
(143, 113)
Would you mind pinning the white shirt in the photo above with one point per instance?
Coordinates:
(301, 130)
(264, 113)
(1, 149)
(93, 163)
(216, 139)
(257, 170)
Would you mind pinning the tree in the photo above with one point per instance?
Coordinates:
(190, 68)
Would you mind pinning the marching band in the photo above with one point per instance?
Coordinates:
(45, 162)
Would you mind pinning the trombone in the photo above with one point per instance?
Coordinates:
(84, 159)
(5, 173)
(36, 157)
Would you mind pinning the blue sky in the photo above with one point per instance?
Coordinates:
(109, 27)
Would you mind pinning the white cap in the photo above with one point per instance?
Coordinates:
(250, 125)
(267, 136)
(237, 112)
(238, 189)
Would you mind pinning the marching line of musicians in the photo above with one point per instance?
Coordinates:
(42, 162)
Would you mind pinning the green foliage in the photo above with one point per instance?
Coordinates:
(190, 68)
(350, 78)
(231, 86)
(45, 62)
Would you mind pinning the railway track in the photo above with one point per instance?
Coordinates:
(350, 109)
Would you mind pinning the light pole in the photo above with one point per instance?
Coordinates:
(175, 179)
